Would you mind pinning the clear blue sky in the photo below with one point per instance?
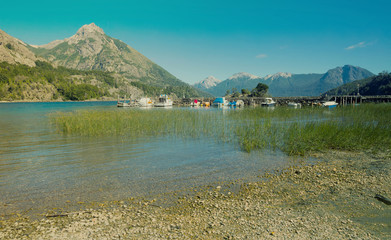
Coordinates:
(195, 39)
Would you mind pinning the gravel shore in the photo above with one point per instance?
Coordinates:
(332, 199)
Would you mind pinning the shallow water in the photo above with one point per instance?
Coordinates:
(41, 169)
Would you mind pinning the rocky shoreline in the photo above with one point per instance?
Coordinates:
(332, 199)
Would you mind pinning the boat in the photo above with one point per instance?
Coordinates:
(164, 101)
(125, 103)
(145, 102)
(294, 105)
(330, 104)
(240, 103)
(232, 103)
(269, 102)
(195, 103)
(205, 104)
(220, 102)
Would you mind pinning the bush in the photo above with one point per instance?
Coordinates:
(9, 46)
(3, 78)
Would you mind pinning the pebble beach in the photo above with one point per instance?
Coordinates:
(335, 198)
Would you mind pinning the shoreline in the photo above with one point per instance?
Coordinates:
(61, 101)
(331, 199)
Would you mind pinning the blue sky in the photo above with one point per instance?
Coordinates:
(195, 39)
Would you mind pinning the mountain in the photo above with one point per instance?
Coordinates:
(13, 50)
(91, 49)
(207, 83)
(288, 84)
(341, 75)
(238, 81)
(375, 85)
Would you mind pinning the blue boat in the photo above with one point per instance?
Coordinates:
(330, 104)
(220, 102)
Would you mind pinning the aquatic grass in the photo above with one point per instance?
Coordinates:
(293, 131)
(364, 127)
(142, 123)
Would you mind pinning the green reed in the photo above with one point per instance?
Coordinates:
(294, 131)
(139, 123)
(299, 131)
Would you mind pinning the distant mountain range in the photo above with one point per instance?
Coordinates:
(375, 85)
(91, 49)
(287, 84)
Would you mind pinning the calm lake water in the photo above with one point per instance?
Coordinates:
(42, 169)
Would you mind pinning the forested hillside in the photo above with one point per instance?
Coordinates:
(376, 85)
(45, 82)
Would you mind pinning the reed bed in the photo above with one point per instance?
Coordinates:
(299, 131)
(294, 131)
(141, 123)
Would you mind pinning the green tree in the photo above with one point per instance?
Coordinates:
(260, 90)
(245, 91)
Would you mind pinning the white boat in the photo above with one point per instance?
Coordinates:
(164, 101)
(220, 102)
(294, 105)
(145, 102)
(240, 103)
(330, 104)
(269, 102)
(125, 103)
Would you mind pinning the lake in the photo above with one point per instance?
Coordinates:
(42, 169)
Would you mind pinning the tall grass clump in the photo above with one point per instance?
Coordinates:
(299, 131)
(294, 131)
(142, 123)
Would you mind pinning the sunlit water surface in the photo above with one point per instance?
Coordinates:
(42, 169)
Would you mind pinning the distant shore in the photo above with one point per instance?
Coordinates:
(55, 101)
(332, 199)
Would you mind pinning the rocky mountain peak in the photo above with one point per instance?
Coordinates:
(211, 79)
(207, 83)
(243, 75)
(278, 75)
(86, 32)
(341, 75)
(89, 29)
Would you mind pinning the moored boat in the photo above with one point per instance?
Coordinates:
(125, 103)
(330, 104)
(269, 102)
(220, 102)
(240, 103)
(195, 103)
(294, 105)
(164, 101)
(145, 102)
